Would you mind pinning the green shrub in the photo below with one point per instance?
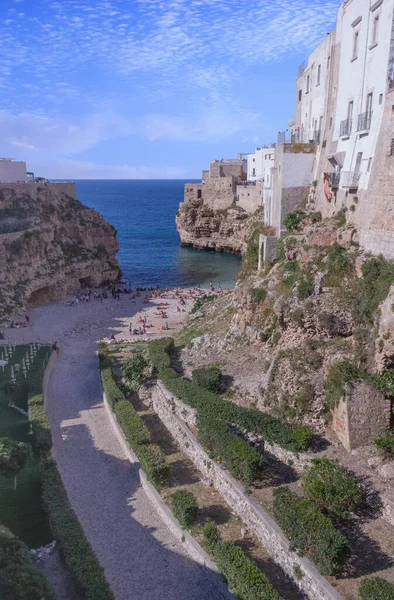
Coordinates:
(40, 424)
(19, 577)
(75, 548)
(151, 457)
(159, 352)
(376, 588)
(332, 488)
(208, 378)
(384, 382)
(199, 303)
(341, 217)
(154, 463)
(133, 370)
(131, 423)
(311, 532)
(370, 290)
(293, 219)
(185, 508)
(305, 287)
(339, 375)
(297, 438)
(111, 390)
(241, 459)
(385, 442)
(258, 295)
(338, 265)
(243, 576)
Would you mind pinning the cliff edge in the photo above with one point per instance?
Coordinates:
(50, 244)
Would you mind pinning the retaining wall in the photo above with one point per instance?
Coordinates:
(169, 409)
(195, 551)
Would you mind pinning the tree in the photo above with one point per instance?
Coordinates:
(13, 457)
(133, 369)
(332, 488)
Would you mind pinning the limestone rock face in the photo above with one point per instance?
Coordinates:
(203, 228)
(50, 244)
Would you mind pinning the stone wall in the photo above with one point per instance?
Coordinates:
(34, 188)
(268, 250)
(250, 197)
(359, 417)
(255, 518)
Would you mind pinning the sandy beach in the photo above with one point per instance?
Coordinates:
(96, 319)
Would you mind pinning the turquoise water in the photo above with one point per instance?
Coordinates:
(143, 212)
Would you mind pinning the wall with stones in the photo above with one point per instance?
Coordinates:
(32, 189)
(251, 513)
(250, 197)
(359, 417)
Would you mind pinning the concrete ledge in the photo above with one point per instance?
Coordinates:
(193, 548)
(259, 522)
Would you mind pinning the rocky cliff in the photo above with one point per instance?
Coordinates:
(226, 230)
(50, 244)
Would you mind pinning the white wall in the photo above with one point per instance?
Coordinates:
(310, 109)
(361, 75)
(12, 171)
(260, 163)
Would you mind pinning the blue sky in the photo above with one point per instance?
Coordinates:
(149, 88)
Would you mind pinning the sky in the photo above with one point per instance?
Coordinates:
(125, 89)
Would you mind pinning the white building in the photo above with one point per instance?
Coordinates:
(260, 162)
(12, 171)
(364, 32)
(312, 87)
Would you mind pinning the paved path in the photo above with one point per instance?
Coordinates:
(141, 558)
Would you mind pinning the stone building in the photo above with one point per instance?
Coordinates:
(12, 171)
(224, 185)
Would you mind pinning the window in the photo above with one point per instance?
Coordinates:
(375, 31)
(355, 44)
(254, 172)
(368, 107)
(330, 122)
(254, 160)
(299, 95)
(380, 98)
(350, 110)
(198, 193)
(308, 81)
(358, 162)
(369, 164)
(318, 75)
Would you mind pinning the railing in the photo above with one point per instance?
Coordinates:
(345, 128)
(349, 179)
(334, 179)
(364, 121)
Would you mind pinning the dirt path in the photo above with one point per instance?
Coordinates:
(141, 558)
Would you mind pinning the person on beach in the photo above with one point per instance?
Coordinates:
(56, 348)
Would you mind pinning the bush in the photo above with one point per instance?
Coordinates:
(20, 579)
(305, 287)
(384, 382)
(199, 303)
(332, 488)
(293, 219)
(258, 295)
(39, 421)
(185, 508)
(243, 576)
(111, 390)
(152, 459)
(208, 378)
(311, 532)
(133, 370)
(385, 442)
(131, 423)
(241, 459)
(76, 550)
(372, 289)
(376, 588)
(339, 375)
(296, 438)
(159, 352)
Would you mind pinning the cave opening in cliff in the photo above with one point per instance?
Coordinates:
(86, 282)
(41, 295)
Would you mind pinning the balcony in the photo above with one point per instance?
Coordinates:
(334, 180)
(349, 180)
(364, 122)
(345, 128)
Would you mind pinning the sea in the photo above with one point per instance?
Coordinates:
(150, 252)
